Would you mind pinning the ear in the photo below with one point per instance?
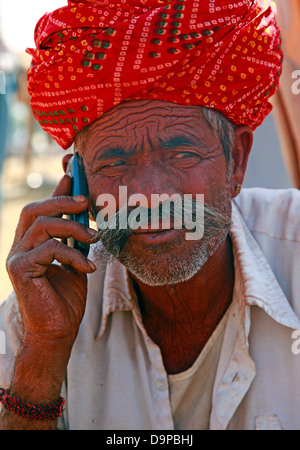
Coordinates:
(65, 161)
(240, 153)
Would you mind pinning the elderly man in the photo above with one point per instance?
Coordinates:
(160, 97)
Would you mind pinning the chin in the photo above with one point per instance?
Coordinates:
(162, 275)
(170, 263)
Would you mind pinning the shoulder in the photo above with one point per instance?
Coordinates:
(275, 212)
(273, 219)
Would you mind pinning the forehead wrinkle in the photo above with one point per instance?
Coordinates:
(158, 128)
(126, 114)
(124, 120)
(186, 133)
(152, 106)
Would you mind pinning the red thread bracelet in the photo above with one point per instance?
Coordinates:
(48, 411)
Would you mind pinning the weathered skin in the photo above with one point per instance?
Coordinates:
(158, 148)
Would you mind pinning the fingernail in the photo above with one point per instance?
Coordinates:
(79, 198)
(92, 232)
(92, 265)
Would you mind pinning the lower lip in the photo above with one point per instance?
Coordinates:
(158, 237)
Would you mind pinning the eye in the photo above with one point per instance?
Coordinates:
(184, 154)
(117, 163)
(114, 164)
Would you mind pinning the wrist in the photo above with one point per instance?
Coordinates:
(39, 412)
(48, 344)
(40, 369)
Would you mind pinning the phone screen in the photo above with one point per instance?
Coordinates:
(75, 170)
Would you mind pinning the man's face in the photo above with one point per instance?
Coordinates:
(155, 147)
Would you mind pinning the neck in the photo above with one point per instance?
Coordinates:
(180, 318)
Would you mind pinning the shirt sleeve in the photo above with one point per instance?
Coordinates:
(11, 333)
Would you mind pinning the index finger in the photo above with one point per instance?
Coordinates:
(63, 187)
(55, 206)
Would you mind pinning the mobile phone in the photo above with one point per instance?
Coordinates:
(79, 186)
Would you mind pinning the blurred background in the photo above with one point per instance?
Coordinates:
(30, 161)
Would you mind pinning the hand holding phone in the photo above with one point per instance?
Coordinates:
(79, 186)
(50, 283)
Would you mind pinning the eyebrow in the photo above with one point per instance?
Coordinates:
(175, 142)
(115, 152)
(169, 143)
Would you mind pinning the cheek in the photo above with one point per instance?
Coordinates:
(99, 185)
(208, 178)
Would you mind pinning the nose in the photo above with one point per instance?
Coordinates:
(152, 177)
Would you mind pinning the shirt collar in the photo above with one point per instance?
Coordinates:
(255, 284)
(259, 283)
(118, 293)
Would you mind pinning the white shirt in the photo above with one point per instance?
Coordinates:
(116, 378)
(190, 391)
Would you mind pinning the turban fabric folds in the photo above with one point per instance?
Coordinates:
(92, 55)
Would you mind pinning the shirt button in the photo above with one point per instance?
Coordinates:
(161, 384)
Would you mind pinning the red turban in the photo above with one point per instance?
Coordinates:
(92, 55)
